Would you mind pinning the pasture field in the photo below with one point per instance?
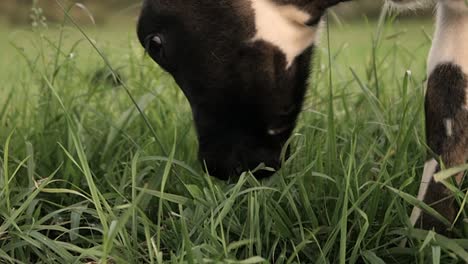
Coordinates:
(86, 178)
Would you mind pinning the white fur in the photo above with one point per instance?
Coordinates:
(429, 170)
(448, 122)
(284, 27)
(450, 42)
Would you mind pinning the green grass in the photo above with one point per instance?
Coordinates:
(85, 179)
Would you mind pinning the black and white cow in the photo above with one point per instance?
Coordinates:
(244, 64)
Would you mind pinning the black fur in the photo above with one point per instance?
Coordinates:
(445, 105)
(445, 100)
(238, 90)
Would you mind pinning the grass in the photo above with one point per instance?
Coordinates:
(84, 180)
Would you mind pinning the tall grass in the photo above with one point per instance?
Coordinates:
(85, 179)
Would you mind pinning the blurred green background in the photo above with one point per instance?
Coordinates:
(17, 12)
(112, 24)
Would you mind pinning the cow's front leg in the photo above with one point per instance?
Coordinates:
(447, 134)
(446, 111)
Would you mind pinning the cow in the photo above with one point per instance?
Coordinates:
(244, 65)
(446, 109)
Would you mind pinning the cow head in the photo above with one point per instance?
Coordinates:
(243, 65)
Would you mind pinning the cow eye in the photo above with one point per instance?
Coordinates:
(154, 43)
(155, 47)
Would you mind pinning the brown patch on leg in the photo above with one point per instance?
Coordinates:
(447, 136)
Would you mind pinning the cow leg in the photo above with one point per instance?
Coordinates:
(446, 108)
(446, 128)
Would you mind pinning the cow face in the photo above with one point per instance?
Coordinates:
(243, 65)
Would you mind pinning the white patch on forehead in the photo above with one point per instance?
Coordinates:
(283, 26)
